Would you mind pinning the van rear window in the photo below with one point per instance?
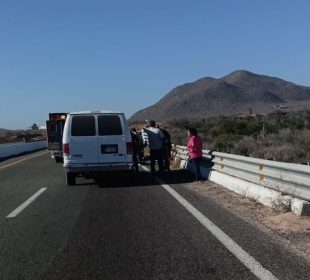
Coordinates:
(109, 125)
(83, 126)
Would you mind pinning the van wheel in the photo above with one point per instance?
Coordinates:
(70, 178)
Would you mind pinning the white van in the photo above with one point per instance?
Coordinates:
(96, 141)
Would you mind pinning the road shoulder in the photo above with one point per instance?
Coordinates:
(291, 230)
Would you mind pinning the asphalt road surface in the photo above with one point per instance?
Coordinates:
(117, 228)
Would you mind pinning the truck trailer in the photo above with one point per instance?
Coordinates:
(54, 131)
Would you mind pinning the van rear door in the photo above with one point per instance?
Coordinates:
(83, 140)
(111, 139)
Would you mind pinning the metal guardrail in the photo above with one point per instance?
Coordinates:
(287, 178)
(182, 152)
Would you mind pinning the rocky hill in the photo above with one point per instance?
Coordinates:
(11, 136)
(4, 132)
(241, 92)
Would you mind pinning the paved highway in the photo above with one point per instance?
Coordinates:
(115, 228)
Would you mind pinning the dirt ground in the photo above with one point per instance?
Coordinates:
(291, 230)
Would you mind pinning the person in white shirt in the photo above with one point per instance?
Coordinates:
(155, 139)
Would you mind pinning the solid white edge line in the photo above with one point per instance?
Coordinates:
(254, 266)
(26, 203)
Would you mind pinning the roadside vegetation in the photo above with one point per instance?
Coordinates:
(22, 136)
(281, 136)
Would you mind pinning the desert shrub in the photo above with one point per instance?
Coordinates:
(225, 142)
(180, 123)
(285, 135)
(296, 122)
(246, 146)
(302, 139)
(285, 153)
(282, 136)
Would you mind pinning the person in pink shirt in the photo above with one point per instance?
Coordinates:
(194, 146)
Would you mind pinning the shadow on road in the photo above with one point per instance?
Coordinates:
(179, 176)
(142, 179)
(116, 180)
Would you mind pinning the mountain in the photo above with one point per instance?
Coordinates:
(237, 93)
(4, 132)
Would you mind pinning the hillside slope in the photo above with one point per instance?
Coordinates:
(237, 93)
(4, 132)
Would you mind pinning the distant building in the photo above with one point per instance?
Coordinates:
(278, 106)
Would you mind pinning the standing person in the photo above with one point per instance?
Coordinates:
(135, 148)
(167, 148)
(194, 146)
(155, 139)
(140, 148)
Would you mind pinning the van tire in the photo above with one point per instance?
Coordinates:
(70, 178)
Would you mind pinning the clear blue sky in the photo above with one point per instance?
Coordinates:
(125, 55)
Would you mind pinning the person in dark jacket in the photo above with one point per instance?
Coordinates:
(166, 148)
(135, 148)
(140, 148)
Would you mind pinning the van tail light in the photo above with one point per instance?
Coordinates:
(66, 149)
(129, 148)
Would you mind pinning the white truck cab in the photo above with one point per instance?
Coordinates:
(96, 141)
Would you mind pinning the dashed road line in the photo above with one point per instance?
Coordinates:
(26, 203)
(254, 266)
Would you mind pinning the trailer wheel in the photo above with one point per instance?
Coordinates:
(59, 160)
(70, 178)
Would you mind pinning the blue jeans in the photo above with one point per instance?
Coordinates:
(196, 163)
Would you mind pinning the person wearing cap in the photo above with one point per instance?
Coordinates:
(155, 139)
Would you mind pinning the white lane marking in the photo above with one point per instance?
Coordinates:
(19, 161)
(254, 266)
(26, 203)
